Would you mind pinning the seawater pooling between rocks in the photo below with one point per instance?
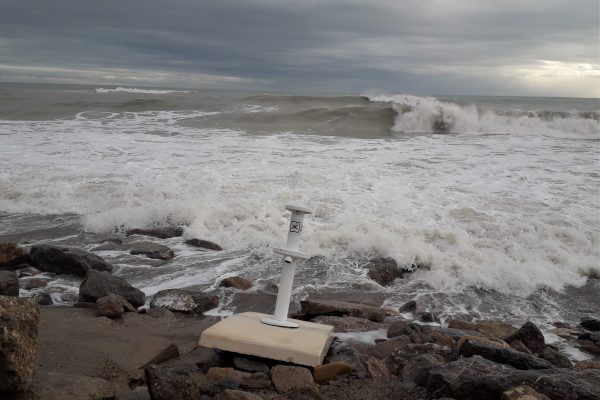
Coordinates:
(504, 220)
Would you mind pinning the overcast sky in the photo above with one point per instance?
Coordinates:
(502, 47)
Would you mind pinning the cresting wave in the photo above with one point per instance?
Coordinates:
(136, 90)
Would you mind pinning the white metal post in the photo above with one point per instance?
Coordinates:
(286, 282)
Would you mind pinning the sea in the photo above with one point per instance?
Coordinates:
(492, 202)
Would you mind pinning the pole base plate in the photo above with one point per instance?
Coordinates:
(276, 322)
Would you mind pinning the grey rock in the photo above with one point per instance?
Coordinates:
(63, 260)
(151, 250)
(160, 232)
(530, 335)
(99, 284)
(503, 355)
(12, 255)
(383, 270)
(185, 301)
(110, 306)
(555, 357)
(43, 299)
(314, 308)
(205, 244)
(9, 283)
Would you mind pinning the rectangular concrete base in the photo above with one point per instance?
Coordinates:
(245, 333)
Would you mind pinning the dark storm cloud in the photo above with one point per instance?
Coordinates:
(503, 47)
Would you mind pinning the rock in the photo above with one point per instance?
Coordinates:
(110, 306)
(99, 284)
(29, 271)
(205, 244)
(236, 282)
(229, 394)
(159, 313)
(12, 255)
(587, 364)
(420, 333)
(409, 306)
(166, 384)
(19, 320)
(69, 297)
(348, 324)
(57, 386)
(327, 372)
(530, 335)
(429, 317)
(400, 356)
(555, 357)
(220, 385)
(34, 283)
(151, 250)
(383, 270)
(63, 260)
(314, 308)
(161, 233)
(589, 347)
(502, 355)
(43, 299)
(250, 365)
(377, 368)
(9, 284)
(495, 328)
(559, 324)
(416, 368)
(288, 378)
(384, 349)
(352, 353)
(185, 301)
(519, 346)
(591, 324)
(256, 380)
(523, 393)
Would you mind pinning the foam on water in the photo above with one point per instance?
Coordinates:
(511, 213)
(136, 90)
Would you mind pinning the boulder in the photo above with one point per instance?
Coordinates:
(19, 320)
(63, 260)
(415, 370)
(43, 299)
(288, 378)
(57, 386)
(409, 306)
(591, 324)
(503, 355)
(12, 255)
(352, 353)
(151, 250)
(400, 356)
(429, 317)
(555, 357)
(250, 365)
(166, 384)
(530, 335)
(523, 393)
(110, 306)
(348, 324)
(205, 244)
(9, 284)
(491, 327)
(230, 394)
(314, 308)
(327, 372)
(383, 270)
(161, 232)
(236, 282)
(185, 301)
(99, 284)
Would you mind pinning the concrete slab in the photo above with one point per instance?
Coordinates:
(244, 333)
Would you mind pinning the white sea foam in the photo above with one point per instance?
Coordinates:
(511, 213)
(136, 90)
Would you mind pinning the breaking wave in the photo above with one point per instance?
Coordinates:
(136, 90)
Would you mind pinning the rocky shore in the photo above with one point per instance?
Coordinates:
(114, 343)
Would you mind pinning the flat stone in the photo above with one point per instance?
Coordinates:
(161, 233)
(64, 260)
(246, 334)
(204, 244)
(151, 250)
(288, 378)
(249, 365)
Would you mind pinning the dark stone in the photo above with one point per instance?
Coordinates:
(314, 308)
(591, 324)
(250, 365)
(383, 270)
(166, 384)
(236, 282)
(555, 357)
(205, 244)
(151, 250)
(63, 260)
(530, 335)
(12, 255)
(34, 283)
(9, 283)
(502, 355)
(185, 301)
(415, 369)
(384, 349)
(110, 306)
(353, 353)
(429, 317)
(43, 299)
(161, 233)
(99, 284)
(19, 320)
(409, 306)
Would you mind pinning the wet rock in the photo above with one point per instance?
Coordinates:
(314, 308)
(63, 260)
(250, 365)
(166, 384)
(530, 335)
(352, 353)
(236, 282)
(348, 324)
(19, 320)
(383, 270)
(185, 301)
(519, 346)
(420, 333)
(43, 299)
(229, 394)
(384, 349)
(34, 283)
(9, 284)
(591, 324)
(151, 250)
(409, 306)
(523, 393)
(495, 328)
(29, 271)
(110, 306)
(429, 317)
(205, 244)
(161, 233)
(288, 378)
(587, 364)
(12, 255)
(57, 386)
(327, 372)
(416, 368)
(99, 284)
(502, 355)
(555, 357)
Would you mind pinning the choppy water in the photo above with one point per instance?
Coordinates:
(496, 197)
